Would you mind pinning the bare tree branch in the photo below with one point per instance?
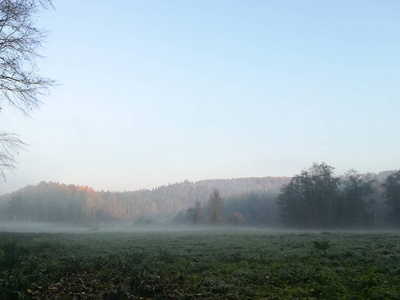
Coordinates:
(20, 84)
(10, 146)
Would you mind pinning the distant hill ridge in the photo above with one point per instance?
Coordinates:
(232, 186)
(53, 201)
(228, 186)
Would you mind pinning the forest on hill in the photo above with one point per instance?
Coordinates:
(315, 198)
(58, 202)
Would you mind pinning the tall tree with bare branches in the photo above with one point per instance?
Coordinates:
(20, 84)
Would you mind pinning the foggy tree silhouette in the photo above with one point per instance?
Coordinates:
(355, 206)
(198, 214)
(308, 199)
(391, 191)
(318, 199)
(215, 203)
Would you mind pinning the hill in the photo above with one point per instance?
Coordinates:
(57, 202)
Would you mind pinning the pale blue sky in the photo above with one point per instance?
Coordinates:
(156, 92)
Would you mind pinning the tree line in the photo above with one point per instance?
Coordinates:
(57, 202)
(315, 198)
(255, 208)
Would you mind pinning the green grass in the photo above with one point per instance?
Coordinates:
(199, 265)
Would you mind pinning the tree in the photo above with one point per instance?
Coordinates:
(215, 204)
(198, 216)
(194, 214)
(191, 215)
(391, 191)
(20, 84)
(10, 145)
(308, 199)
(354, 209)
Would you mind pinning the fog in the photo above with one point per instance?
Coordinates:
(42, 227)
(54, 228)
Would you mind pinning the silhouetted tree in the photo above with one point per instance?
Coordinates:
(308, 199)
(191, 215)
(215, 205)
(194, 214)
(20, 84)
(198, 213)
(391, 191)
(355, 206)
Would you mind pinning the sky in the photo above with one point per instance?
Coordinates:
(157, 92)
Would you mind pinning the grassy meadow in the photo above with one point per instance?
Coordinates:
(199, 264)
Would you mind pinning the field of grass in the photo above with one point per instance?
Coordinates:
(207, 264)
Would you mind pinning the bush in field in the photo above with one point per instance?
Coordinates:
(321, 245)
(237, 218)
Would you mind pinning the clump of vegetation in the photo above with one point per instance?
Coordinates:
(143, 221)
(321, 245)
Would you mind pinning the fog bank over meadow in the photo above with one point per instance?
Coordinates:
(315, 199)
